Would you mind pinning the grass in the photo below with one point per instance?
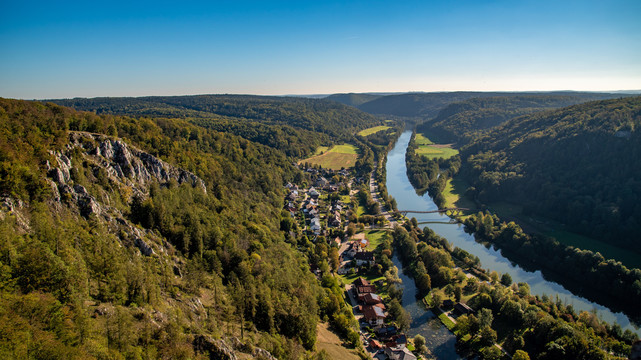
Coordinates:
(371, 277)
(532, 224)
(446, 321)
(628, 258)
(320, 150)
(339, 156)
(344, 149)
(431, 150)
(420, 139)
(375, 237)
(454, 194)
(332, 344)
(372, 130)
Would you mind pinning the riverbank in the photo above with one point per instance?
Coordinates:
(401, 189)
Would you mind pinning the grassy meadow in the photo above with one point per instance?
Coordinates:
(373, 130)
(334, 158)
(431, 150)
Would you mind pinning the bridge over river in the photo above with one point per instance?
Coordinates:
(454, 211)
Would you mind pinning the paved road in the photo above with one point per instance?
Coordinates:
(373, 189)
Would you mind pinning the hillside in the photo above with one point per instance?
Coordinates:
(353, 99)
(145, 238)
(459, 122)
(296, 126)
(427, 105)
(578, 165)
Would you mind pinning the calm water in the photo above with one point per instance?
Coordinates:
(398, 185)
(438, 338)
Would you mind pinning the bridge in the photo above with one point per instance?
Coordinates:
(455, 211)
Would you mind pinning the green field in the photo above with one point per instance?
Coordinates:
(320, 150)
(454, 195)
(626, 257)
(375, 237)
(420, 139)
(337, 157)
(372, 130)
(428, 148)
(532, 224)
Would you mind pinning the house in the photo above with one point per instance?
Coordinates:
(399, 353)
(364, 258)
(374, 315)
(315, 226)
(370, 299)
(366, 289)
(313, 193)
(387, 331)
(335, 220)
(462, 309)
(447, 304)
(292, 195)
(397, 341)
(375, 344)
(321, 182)
(361, 282)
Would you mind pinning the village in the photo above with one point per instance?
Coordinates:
(326, 210)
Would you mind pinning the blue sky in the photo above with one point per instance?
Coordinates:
(86, 49)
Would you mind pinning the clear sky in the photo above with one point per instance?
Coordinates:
(57, 49)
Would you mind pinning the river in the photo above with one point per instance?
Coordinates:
(399, 186)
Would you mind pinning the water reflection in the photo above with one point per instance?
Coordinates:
(399, 187)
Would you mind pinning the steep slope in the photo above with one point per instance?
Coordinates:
(460, 121)
(139, 238)
(294, 125)
(578, 165)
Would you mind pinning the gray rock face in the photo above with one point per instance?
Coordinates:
(218, 349)
(123, 164)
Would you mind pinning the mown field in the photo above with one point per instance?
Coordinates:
(454, 195)
(339, 156)
(373, 130)
(428, 148)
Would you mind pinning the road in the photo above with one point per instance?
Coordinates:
(373, 189)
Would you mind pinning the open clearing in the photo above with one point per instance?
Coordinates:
(534, 224)
(337, 157)
(454, 194)
(332, 344)
(372, 130)
(428, 148)
(420, 139)
(628, 258)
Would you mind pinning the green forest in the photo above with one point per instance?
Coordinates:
(462, 121)
(297, 126)
(506, 314)
(105, 260)
(577, 165)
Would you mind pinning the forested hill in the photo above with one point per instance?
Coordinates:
(295, 125)
(458, 122)
(144, 238)
(428, 105)
(353, 99)
(578, 165)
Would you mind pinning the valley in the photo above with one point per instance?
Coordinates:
(196, 208)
